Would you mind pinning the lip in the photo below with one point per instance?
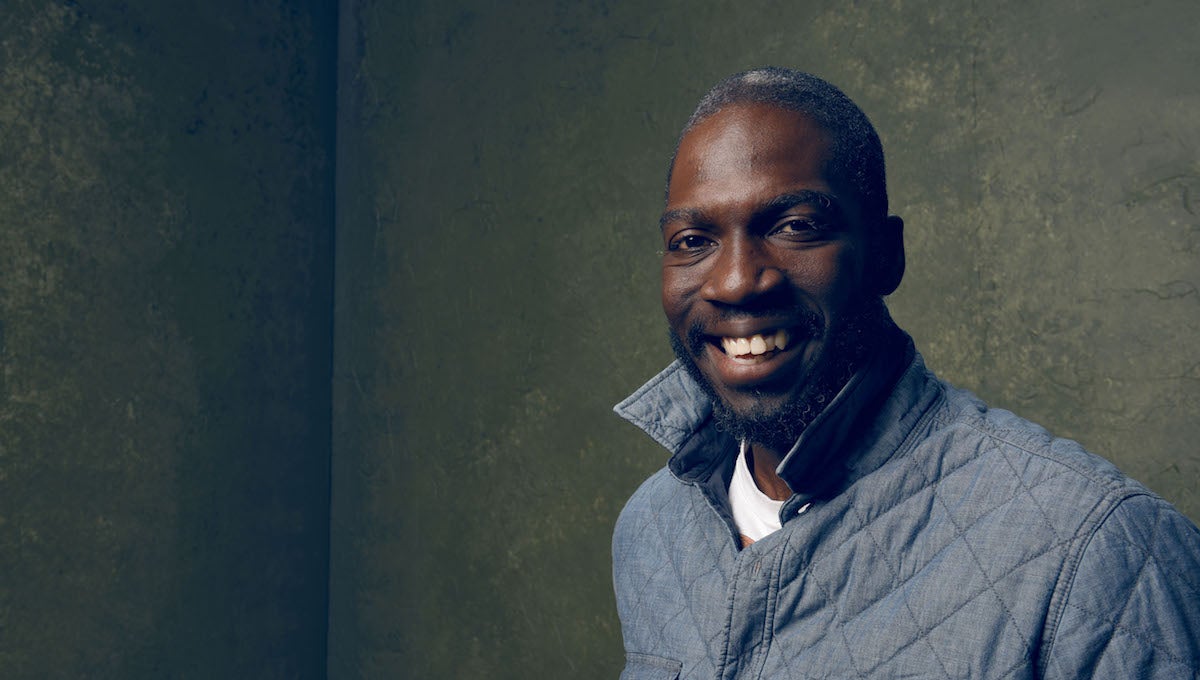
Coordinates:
(749, 327)
(755, 371)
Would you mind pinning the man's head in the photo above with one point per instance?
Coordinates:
(857, 152)
(778, 249)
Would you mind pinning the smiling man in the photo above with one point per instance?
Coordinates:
(831, 508)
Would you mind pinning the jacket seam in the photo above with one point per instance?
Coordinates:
(1062, 595)
(1147, 558)
(999, 434)
(654, 660)
(678, 576)
(774, 587)
(727, 629)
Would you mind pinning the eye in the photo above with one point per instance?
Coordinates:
(800, 227)
(689, 243)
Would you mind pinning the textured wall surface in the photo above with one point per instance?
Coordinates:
(165, 222)
(501, 178)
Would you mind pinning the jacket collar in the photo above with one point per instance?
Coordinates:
(675, 411)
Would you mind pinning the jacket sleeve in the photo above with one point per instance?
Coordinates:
(1132, 608)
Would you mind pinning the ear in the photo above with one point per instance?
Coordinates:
(887, 256)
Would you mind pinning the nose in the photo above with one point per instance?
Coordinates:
(742, 272)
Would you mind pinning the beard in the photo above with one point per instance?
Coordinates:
(779, 425)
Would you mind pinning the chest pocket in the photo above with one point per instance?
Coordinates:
(647, 667)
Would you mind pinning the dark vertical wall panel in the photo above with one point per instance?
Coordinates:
(501, 177)
(165, 277)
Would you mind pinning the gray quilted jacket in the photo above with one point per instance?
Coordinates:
(949, 541)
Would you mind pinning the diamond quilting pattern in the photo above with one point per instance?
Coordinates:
(1132, 614)
(952, 559)
(679, 598)
(972, 576)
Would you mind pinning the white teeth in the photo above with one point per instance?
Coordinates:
(756, 344)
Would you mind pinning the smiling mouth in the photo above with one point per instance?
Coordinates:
(755, 348)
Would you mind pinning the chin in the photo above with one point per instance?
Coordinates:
(779, 419)
(775, 420)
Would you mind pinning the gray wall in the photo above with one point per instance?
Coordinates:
(165, 293)
(501, 177)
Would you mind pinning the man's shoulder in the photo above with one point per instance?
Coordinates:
(1013, 445)
(1124, 562)
(1009, 482)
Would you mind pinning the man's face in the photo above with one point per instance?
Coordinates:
(765, 281)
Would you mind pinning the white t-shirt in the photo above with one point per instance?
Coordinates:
(754, 513)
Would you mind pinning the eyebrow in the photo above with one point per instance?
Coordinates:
(818, 199)
(689, 215)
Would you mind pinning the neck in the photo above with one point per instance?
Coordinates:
(812, 462)
(762, 462)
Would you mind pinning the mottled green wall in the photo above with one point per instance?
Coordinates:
(500, 178)
(165, 286)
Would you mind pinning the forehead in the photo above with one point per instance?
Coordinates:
(749, 150)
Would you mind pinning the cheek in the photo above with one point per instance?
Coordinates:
(833, 274)
(678, 290)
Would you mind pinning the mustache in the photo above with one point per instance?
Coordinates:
(803, 324)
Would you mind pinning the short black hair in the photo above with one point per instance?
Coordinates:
(857, 151)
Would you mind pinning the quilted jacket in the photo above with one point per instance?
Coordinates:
(950, 541)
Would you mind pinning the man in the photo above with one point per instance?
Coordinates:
(831, 508)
